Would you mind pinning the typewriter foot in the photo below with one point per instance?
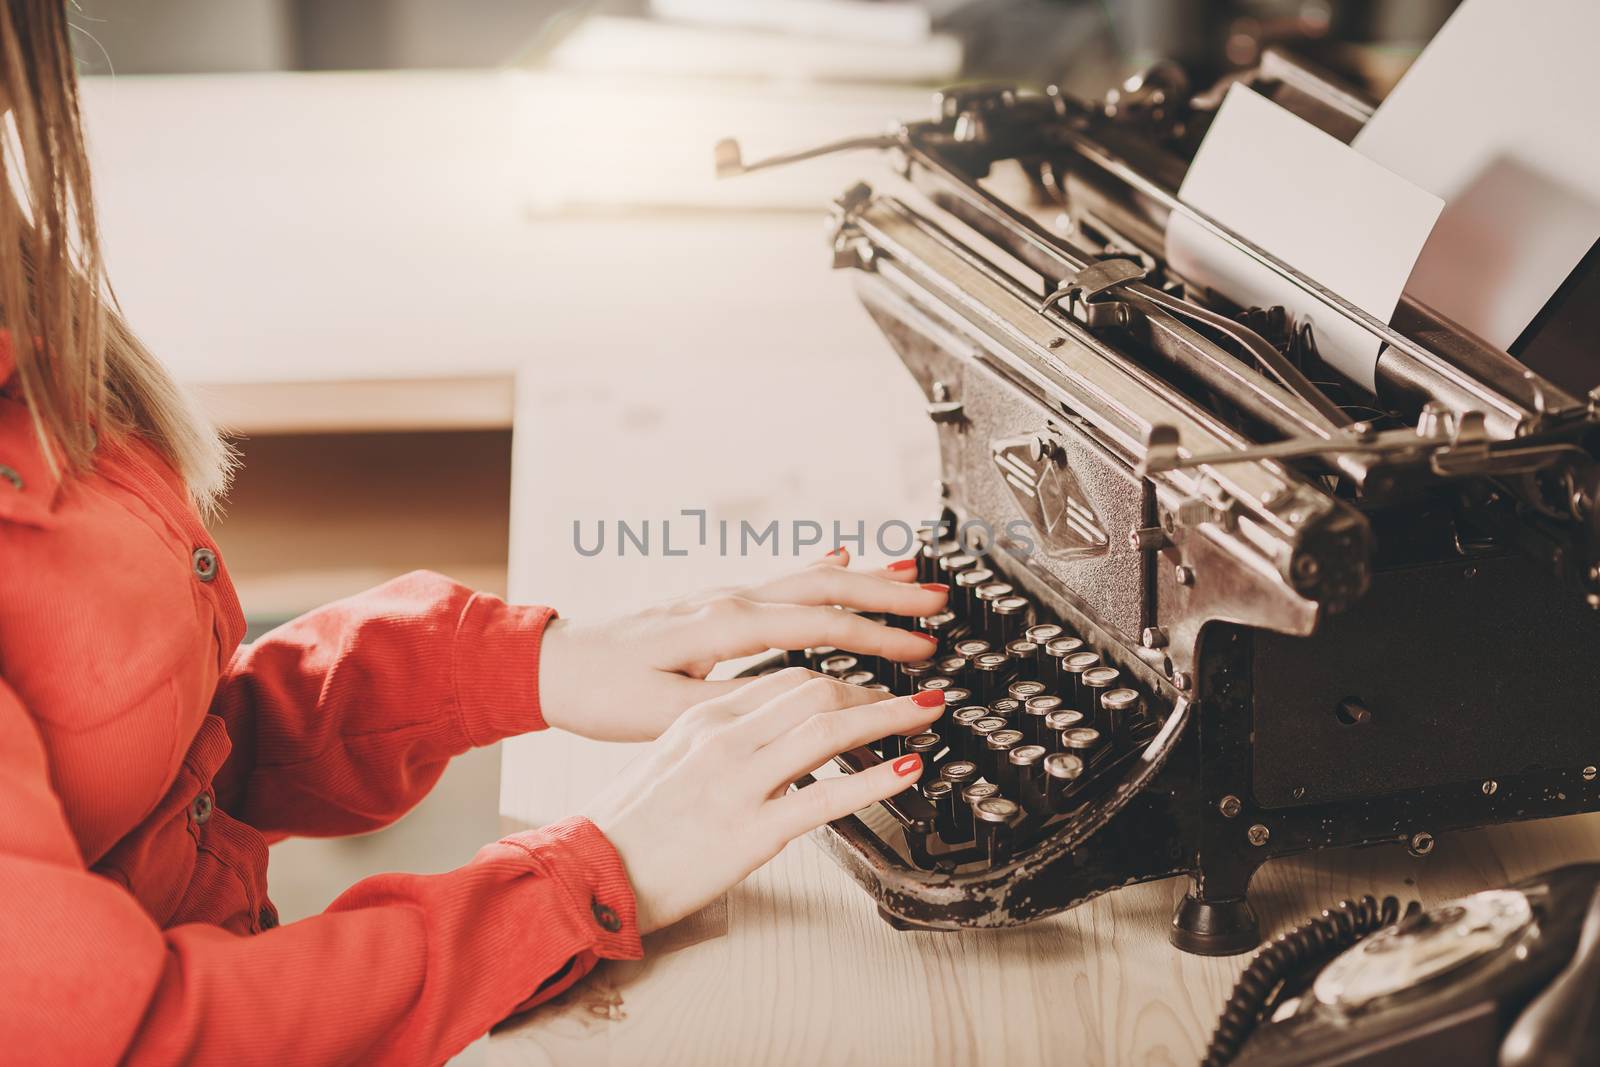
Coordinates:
(897, 923)
(1215, 927)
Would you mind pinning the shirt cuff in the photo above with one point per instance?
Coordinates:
(583, 861)
(496, 668)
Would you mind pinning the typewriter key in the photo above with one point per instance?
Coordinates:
(1023, 689)
(1035, 710)
(876, 687)
(960, 772)
(1007, 708)
(1062, 772)
(941, 793)
(1122, 709)
(907, 675)
(1007, 617)
(989, 673)
(955, 667)
(971, 794)
(1066, 645)
(1027, 775)
(940, 626)
(929, 556)
(1041, 632)
(860, 678)
(996, 765)
(1094, 683)
(1026, 653)
(983, 610)
(978, 746)
(954, 564)
(926, 538)
(1072, 668)
(961, 721)
(983, 598)
(1055, 650)
(838, 666)
(926, 746)
(941, 682)
(970, 647)
(995, 822)
(815, 656)
(1058, 722)
(964, 596)
(1085, 742)
(955, 697)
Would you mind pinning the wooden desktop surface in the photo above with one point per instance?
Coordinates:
(664, 360)
(795, 967)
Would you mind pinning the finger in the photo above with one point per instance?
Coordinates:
(861, 590)
(901, 570)
(838, 557)
(817, 696)
(738, 696)
(731, 627)
(803, 810)
(818, 738)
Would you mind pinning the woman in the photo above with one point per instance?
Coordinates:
(146, 760)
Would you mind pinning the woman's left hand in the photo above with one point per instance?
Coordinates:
(628, 679)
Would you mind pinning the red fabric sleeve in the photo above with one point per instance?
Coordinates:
(342, 720)
(400, 969)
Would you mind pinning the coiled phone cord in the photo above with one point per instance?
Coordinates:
(1311, 943)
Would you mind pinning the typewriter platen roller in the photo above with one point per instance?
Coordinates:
(1290, 614)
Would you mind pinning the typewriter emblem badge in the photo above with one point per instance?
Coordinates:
(1049, 495)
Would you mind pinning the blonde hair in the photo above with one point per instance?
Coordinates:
(84, 376)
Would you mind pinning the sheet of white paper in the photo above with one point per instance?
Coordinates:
(1497, 117)
(1310, 201)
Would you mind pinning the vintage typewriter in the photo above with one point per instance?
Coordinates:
(1213, 604)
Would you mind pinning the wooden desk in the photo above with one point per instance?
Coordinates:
(794, 967)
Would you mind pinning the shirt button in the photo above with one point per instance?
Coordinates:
(11, 476)
(608, 919)
(201, 808)
(205, 564)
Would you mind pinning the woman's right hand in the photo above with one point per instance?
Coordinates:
(709, 800)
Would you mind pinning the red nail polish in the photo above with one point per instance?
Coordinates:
(839, 552)
(906, 766)
(903, 565)
(936, 587)
(929, 698)
(926, 637)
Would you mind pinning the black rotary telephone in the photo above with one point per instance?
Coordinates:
(1504, 978)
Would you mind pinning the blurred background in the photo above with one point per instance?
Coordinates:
(1080, 43)
(456, 275)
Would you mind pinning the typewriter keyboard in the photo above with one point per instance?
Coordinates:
(1035, 721)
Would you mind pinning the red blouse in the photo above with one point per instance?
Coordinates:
(146, 761)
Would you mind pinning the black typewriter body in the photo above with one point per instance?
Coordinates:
(1338, 630)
